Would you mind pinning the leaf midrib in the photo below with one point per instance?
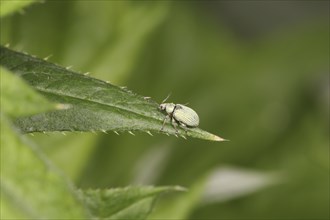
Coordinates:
(58, 93)
(99, 103)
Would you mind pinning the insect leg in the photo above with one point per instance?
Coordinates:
(174, 122)
(166, 117)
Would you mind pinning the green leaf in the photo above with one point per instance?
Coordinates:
(92, 104)
(180, 206)
(8, 7)
(123, 203)
(18, 98)
(30, 186)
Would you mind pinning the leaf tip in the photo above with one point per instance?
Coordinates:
(217, 138)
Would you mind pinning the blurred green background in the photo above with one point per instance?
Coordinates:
(257, 73)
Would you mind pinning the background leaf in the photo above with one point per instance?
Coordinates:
(7, 7)
(123, 203)
(30, 186)
(179, 206)
(27, 101)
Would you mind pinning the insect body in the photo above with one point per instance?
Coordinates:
(179, 114)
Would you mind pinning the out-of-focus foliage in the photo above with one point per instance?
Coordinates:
(27, 177)
(256, 72)
(30, 187)
(10, 6)
(123, 203)
(13, 88)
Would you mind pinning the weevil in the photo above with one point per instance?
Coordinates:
(179, 114)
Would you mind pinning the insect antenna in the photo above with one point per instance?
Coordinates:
(167, 97)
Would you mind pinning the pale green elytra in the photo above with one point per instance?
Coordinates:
(181, 114)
